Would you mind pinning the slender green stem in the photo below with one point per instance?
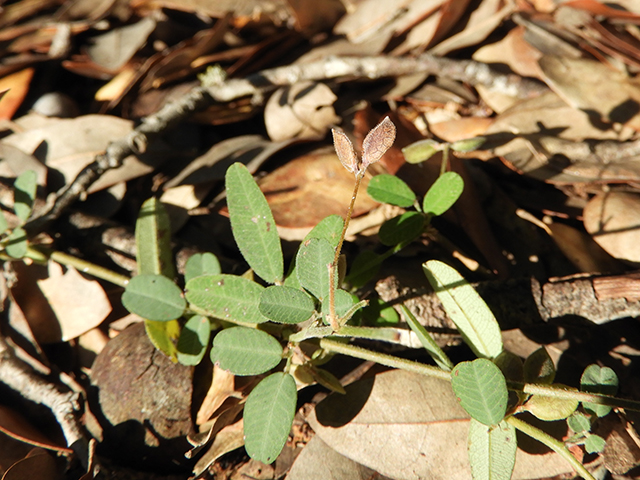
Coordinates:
(79, 264)
(554, 444)
(383, 359)
(383, 334)
(333, 268)
(445, 158)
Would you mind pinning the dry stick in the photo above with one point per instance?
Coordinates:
(262, 82)
(65, 406)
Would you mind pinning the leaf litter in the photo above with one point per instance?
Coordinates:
(551, 194)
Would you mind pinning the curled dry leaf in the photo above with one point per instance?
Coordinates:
(344, 149)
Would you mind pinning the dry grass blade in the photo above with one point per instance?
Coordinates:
(378, 141)
(344, 149)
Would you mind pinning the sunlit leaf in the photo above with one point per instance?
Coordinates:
(246, 351)
(227, 297)
(201, 264)
(596, 379)
(153, 240)
(476, 322)
(286, 305)
(481, 390)
(594, 443)
(194, 339)
(163, 336)
(468, 145)
(253, 226)
(329, 228)
(24, 194)
(444, 192)
(312, 266)
(154, 297)
(378, 141)
(268, 416)
(492, 450)
(550, 408)
(420, 151)
(16, 246)
(390, 189)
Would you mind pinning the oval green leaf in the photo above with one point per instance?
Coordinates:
(481, 390)
(24, 190)
(539, 368)
(201, 264)
(444, 192)
(312, 266)
(153, 240)
(476, 322)
(420, 151)
(268, 416)
(16, 246)
(246, 351)
(227, 297)
(594, 443)
(492, 450)
(286, 305)
(329, 228)
(154, 297)
(194, 339)
(163, 336)
(602, 380)
(253, 226)
(400, 229)
(550, 409)
(390, 189)
(468, 144)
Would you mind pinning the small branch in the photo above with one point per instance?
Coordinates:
(65, 406)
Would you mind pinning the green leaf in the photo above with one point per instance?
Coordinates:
(420, 151)
(286, 305)
(268, 416)
(539, 368)
(594, 443)
(154, 297)
(380, 314)
(227, 297)
(429, 344)
(510, 365)
(403, 228)
(550, 409)
(466, 308)
(390, 189)
(492, 450)
(468, 145)
(153, 240)
(344, 301)
(4, 226)
(246, 351)
(579, 423)
(602, 380)
(194, 339)
(481, 390)
(16, 246)
(312, 266)
(201, 264)
(163, 336)
(253, 226)
(329, 228)
(24, 190)
(444, 192)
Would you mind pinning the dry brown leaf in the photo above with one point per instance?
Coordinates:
(228, 439)
(310, 188)
(408, 426)
(461, 129)
(16, 426)
(593, 87)
(222, 387)
(40, 465)
(17, 85)
(304, 110)
(114, 49)
(318, 460)
(613, 220)
(514, 51)
(78, 303)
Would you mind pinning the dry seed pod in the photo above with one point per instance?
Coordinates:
(344, 149)
(377, 142)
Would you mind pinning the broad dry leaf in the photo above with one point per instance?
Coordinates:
(408, 426)
(514, 51)
(593, 87)
(16, 426)
(222, 387)
(613, 220)
(114, 49)
(304, 110)
(79, 304)
(318, 460)
(310, 188)
(35, 465)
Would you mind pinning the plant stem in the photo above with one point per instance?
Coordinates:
(554, 444)
(383, 334)
(41, 253)
(333, 268)
(383, 359)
